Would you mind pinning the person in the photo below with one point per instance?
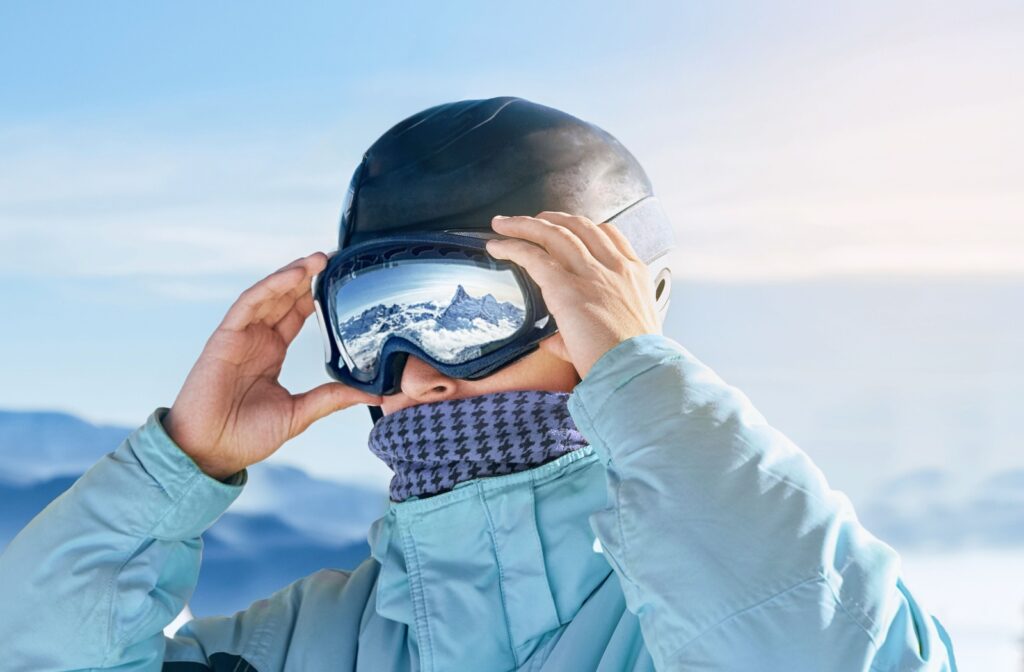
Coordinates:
(573, 490)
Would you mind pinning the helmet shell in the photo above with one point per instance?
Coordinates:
(457, 165)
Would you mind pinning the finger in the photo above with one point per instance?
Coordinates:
(291, 264)
(594, 237)
(620, 240)
(541, 267)
(321, 401)
(288, 327)
(255, 303)
(559, 242)
(273, 312)
(313, 262)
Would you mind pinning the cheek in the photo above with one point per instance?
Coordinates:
(543, 371)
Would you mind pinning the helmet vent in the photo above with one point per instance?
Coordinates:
(663, 288)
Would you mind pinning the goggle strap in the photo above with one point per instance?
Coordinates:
(647, 226)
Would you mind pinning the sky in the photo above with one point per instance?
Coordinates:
(158, 158)
(844, 179)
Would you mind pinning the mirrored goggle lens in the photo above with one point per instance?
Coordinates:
(454, 311)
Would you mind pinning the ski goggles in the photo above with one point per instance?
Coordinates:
(438, 296)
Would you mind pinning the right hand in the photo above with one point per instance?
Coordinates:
(232, 411)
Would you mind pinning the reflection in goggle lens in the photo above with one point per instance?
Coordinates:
(454, 312)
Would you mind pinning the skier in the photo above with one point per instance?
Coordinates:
(573, 490)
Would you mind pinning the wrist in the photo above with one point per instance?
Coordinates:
(210, 465)
(222, 473)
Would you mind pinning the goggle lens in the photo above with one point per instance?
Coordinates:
(455, 311)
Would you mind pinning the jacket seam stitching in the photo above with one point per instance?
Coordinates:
(615, 504)
(819, 577)
(501, 576)
(850, 615)
(619, 568)
(634, 376)
(417, 586)
(146, 536)
(259, 640)
(861, 617)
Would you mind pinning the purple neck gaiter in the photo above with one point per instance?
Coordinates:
(432, 447)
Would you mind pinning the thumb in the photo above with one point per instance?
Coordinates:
(556, 346)
(321, 401)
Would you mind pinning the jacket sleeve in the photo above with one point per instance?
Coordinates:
(92, 580)
(730, 546)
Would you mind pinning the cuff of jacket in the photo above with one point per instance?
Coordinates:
(196, 499)
(614, 369)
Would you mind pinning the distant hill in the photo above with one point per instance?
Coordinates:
(930, 510)
(36, 446)
(285, 525)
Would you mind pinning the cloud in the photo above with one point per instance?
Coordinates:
(934, 509)
(874, 147)
(157, 212)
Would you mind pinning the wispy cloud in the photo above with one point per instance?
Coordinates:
(885, 140)
(155, 210)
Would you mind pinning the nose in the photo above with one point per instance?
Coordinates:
(424, 383)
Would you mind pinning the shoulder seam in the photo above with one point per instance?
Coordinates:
(819, 577)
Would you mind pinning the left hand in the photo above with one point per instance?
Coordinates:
(596, 287)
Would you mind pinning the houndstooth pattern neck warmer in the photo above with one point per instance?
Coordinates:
(434, 446)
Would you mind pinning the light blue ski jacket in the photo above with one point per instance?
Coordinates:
(719, 547)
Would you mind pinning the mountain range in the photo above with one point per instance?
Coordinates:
(453, 330)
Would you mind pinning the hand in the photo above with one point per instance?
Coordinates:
(596, 287)
(232, 411)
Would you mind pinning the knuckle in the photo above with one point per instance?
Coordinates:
(291, 264)
(520, 250)
(553, 267)
(250, 295)
(618, 264)
(566, 215)
(561, 232)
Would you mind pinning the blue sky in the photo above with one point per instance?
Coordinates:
(160, 157)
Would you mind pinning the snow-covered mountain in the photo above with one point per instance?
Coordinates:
(285, 525)
(455, 329)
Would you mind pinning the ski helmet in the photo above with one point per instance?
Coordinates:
(456, 165)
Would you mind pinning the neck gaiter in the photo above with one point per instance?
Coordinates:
(432, 447)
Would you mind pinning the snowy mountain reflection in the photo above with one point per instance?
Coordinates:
(453, 333)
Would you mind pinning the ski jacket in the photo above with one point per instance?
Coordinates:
(689, 535)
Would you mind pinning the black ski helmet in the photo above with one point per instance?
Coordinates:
(456, 165)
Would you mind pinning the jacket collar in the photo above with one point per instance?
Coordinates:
(480, 574)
